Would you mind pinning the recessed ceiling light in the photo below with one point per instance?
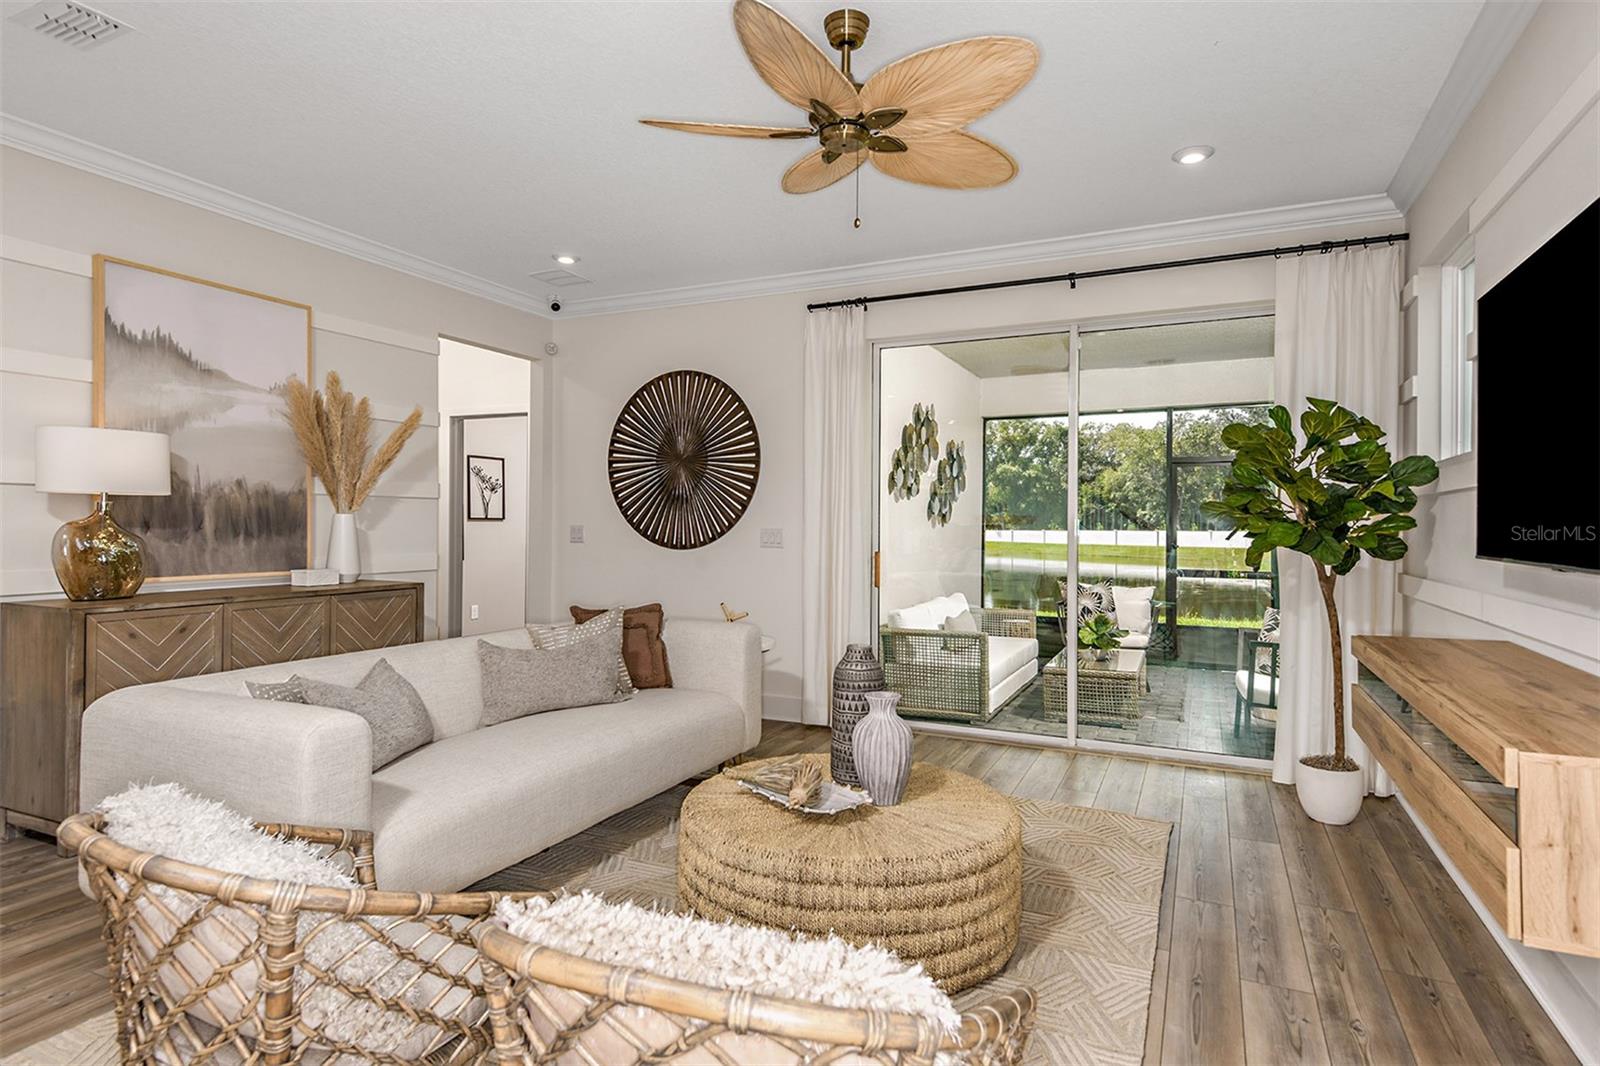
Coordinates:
(565, 260)
(1195, 153)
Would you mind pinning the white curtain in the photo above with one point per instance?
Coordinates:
(1337, 337)
(838, 463)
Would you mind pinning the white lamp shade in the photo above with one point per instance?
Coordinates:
(89, 460)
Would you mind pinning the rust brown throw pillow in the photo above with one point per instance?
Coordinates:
(642, 648)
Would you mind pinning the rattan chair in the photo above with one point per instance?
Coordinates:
(212, 967)
(944, 674)
(551, 1007)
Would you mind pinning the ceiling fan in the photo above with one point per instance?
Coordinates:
(924, 99)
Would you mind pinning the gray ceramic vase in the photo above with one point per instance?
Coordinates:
(882, 742)
(857, 674)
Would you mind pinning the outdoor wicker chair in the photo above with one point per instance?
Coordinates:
(941, 673)
(208, 966)
(551, 1007)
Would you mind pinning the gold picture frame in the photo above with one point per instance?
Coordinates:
(105, 264)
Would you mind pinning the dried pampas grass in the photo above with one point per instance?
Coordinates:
(332, 429)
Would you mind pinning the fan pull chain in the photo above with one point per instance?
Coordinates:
(858, 197)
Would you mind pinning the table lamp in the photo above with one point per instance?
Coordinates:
(96, 559)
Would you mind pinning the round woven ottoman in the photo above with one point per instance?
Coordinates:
(936, 879)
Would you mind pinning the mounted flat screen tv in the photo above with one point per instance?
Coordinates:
(1538, 432)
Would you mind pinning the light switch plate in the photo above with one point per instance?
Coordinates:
(575, 534)
(474, 612)
(772, 538)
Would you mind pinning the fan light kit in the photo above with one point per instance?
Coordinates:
(1197, 153)
(925, 98)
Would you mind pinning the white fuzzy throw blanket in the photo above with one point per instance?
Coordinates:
(769, 962)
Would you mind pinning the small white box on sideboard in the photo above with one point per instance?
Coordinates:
(324, 576)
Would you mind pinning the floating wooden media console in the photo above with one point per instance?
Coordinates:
(1497, 750)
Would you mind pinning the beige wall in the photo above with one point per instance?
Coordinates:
(379, 328)
(1445, 590)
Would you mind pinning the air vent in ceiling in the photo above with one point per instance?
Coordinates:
(559, 277)
(70, 23)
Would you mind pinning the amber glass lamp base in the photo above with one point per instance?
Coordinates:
(96, 559)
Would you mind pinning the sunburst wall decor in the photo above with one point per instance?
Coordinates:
(684, 459)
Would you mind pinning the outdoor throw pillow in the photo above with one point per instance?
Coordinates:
(393, 710)
(642, 647)
(606, 627)
(1097, 599)
(519, 682)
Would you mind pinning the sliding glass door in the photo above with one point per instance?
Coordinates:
(1113, 610)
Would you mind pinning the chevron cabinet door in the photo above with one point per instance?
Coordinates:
(136, 649)
(277, 632)
(374, 620)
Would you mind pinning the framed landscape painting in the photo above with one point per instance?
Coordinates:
(206, 364)
(486, 488)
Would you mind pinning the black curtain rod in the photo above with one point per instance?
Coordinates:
(1076, 276)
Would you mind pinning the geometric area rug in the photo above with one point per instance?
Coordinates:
(1091, 902)
(1091, 905)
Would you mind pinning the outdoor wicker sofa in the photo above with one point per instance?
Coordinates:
(961, 675)
(548, 1006)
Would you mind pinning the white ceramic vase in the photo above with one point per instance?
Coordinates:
(344, 554)
(881, 745)
(1332, 797)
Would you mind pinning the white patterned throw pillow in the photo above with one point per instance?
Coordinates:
(1266, 661)
(606, 627)
(1097, 599)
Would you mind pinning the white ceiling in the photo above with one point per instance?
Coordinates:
(485, 137)
(1184, 342)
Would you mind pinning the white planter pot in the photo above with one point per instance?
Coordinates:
(1332, 797)
(344, 555)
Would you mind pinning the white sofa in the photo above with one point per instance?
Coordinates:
(474, 801)
(945, 673)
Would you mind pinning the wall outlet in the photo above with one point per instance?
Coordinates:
(772, 538)
(575, 534)
(474, 612)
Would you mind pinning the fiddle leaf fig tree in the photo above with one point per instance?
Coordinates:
(1335, 497)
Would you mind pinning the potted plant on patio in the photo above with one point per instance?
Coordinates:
(1099, 635)
(1335, 497)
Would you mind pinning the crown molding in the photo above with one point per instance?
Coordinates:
(1354, 210)
(1488, 42)
(61, 148)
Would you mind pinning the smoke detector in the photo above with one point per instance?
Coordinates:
(81, 27)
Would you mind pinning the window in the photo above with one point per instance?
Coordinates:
(1458, 352)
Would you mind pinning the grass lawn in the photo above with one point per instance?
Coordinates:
(1138, 554)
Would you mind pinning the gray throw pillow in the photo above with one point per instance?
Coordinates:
(607, 627)
(290, 691)
(395, 713)
(519, 682)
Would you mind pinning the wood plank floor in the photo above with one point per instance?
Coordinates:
(1281, 940)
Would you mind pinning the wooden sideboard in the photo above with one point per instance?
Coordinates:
(1497, 750)
(58, 656)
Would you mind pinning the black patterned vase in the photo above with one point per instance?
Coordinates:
(857, 674)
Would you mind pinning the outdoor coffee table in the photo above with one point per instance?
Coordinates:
(1108, 689)
(937, 879)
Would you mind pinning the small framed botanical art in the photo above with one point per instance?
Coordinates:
(486, 488)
